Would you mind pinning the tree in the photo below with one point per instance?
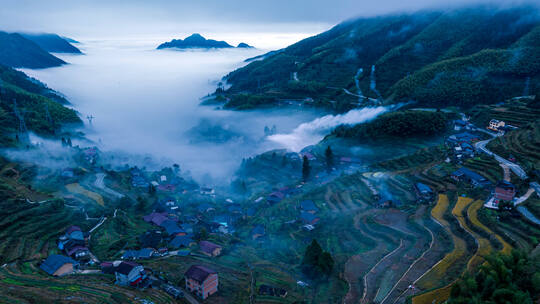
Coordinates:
(329, 155)
(69, 142)
(141, 203)
(317, 262)
(306, 168)
(201, 235)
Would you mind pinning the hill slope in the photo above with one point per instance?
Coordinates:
(34, 100)
(19, 52)
(194, 41)
(434, 57)
(52, 43)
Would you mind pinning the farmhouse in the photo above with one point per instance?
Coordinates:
(129, 274)
(202, 281)
(210, 249)
(504, 191)
(496, 125)
(258, 231)
(144, 253)
(155, 218)
(58, 265)
(181, 241)
(308, 206)
(465, 175)
(309, 218)
(423, 192)
(275, 197)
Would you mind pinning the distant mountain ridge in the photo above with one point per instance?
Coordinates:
(52, 43)
(198, 41)
(19, 52)
(457, 57)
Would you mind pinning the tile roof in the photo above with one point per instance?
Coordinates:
(54, 262)
(208, 247)
(199, 273)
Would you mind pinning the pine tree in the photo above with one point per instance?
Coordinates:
(306, 168)
(329, 159)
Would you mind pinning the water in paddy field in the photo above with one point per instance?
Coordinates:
(147, 101)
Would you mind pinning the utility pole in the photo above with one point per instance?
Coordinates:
(90, 118)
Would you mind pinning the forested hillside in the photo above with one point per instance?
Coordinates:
(19, 52)
(460, 57)
(33, 100)
(52, 43)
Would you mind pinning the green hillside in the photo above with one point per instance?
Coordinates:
(52, 43)
(34, 100)
(459, 57)
(19, 52)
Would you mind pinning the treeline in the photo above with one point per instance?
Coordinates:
(40, 106)
(397, 124)
(513, 278)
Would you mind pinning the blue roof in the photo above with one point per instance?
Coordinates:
(308, 217)
(423, 187)
(54, 262)
(470, 174)
(171, 227)
(308, 205)
(259, 229)
(180, 241)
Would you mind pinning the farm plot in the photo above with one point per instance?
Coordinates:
(78, 189)
(472, 214)
(438, 273)
(484, 247)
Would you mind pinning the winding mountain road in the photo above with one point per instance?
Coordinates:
(100, 183)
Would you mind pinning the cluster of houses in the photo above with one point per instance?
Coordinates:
(74, 244)
(462, 146)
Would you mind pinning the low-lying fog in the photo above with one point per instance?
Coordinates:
(147, 102)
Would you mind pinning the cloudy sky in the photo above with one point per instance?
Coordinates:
(124, 17)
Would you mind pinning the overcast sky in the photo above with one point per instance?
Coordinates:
(124, 17)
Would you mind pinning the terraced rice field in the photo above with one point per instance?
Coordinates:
(472, 214)
(437, 274)
(484, 247)
(78, 189)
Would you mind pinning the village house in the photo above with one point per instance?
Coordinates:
(465, 175)
(144, 253)
(201, 281)
(156, 218)
(308, 206)
(423, 192)
(460, 124)
(58, 265)
(184, 241)
(207, 191)
(138, 180)
(275, 197)
(308, 218)
(504, 191)
(496, 125)
(129, 274)
(258, 231)
(210, 249)
(73, 243)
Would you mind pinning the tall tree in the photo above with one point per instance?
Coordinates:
(317, 263)
(306, 168)
(329, 155)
